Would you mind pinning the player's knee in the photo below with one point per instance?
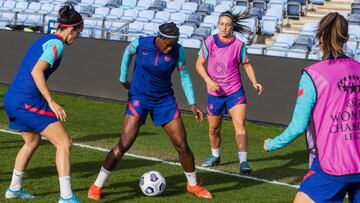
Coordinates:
(32, 145)
(213, 131)
(183, 148)
(120, 149)
(65, 144)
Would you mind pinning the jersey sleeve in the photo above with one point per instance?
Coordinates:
(185, 78)
(244, 59)
(301, 116)
(203, 51)
(130, 51)
(52, 50)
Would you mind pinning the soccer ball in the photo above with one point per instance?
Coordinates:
(152, 183)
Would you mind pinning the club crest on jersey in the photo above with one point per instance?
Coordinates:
(145, 53)
(211, 106)
(349, 84)
(136, 103)
(168, 58)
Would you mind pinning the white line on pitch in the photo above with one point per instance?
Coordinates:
(176, 163)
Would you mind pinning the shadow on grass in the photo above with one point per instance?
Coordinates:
(114, 136)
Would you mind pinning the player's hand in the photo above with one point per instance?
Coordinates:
(266, 141)
(197, 112)
(126, 84)
(58, 110)
(212, 85)
(258, 87)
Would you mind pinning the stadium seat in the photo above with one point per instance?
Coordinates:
(130, 14)
(304, 42)
(284, 41)
(161, 17)
(318, 2)
(178, 18)
(297, 53)
(113, 4)
(136, 27)
(85, 10)
(269, 25)
(8, 16)
(193, 20)
(91, 23)
(244, 3)
(115, 13)
(145, 15)
(261, 4)
(4, 24)
(354, 19)
(191, 43)
(101, 12)
(158, 5)
(56, 9)
(143, 5)
(189, 7)
(220, 8)
(127, 4)
(293, 10)
(87, 32)
(355, 10)
(173, 6)
(354, 32)
(276, 52)
(205, 9)
(33, 20)
(256, 13)
(350, 47)
(20, 6)
(86, 2)
(228, 4)
(46, 8)
(251, 23)
(309, 28)
(213, 2)
(99, 3)
(201, 33)
(275, 13)
(210, 21)
(1, 3)
(256, 49)
(33, 7)
(8, 6)
(151, 28)
(186, 31)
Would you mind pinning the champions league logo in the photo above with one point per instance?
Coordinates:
(349, 84)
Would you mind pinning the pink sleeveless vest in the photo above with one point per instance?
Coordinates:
(223, 66)
(334, 131)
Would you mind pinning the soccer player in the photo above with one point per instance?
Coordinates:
(224, 54)
(328, 107)
(150, 91)
(32, 110)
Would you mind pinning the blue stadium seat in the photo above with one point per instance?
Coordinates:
(145, 15)
(161, 17)
(189, 7)
(173, 6)
(244, 3)
(101, 12)
(33, 20)
(279, 52)
(293, 10)
(256, 13)
(319, 2)
(275, 13)
(85, 10)
(350, 47)
(99, 3)
(87, 33)
(284, 41)
(309, 28)
(56, 9)
(201, 33)
(220, 8)
(304, 42)
(354, 19)
(297, 53)
(354, 32)
(113, 4)
(115, 13)
(143, 4)
(259, 4)
(178, 18)
(86, 2)
(256, 49)
(213, 2)
(136, 27)
(355, 10)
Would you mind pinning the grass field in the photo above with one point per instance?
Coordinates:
(98, 124)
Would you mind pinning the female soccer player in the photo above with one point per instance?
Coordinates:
(150, 92)
(32, 109)
(328, 107)
(224, 54)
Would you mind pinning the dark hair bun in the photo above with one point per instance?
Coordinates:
(68, 15)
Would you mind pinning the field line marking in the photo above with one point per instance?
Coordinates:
(274, 182)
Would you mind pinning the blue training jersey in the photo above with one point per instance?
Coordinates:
(48, 48)
(151, 78)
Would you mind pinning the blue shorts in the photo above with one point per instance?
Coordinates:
(219, 105)
(29, 113)
(160, 113)
(322, 189)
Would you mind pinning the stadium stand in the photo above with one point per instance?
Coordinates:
(283, 28)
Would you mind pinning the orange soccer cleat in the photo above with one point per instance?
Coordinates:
(199, 191)
(94, 192)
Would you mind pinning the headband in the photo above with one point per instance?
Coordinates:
(168, 36)
(70, 25)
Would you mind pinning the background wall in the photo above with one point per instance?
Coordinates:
(91, 67)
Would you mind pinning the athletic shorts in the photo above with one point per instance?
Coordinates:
(219, 105)
(322, 189)
(161, 113)
(28, 113)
